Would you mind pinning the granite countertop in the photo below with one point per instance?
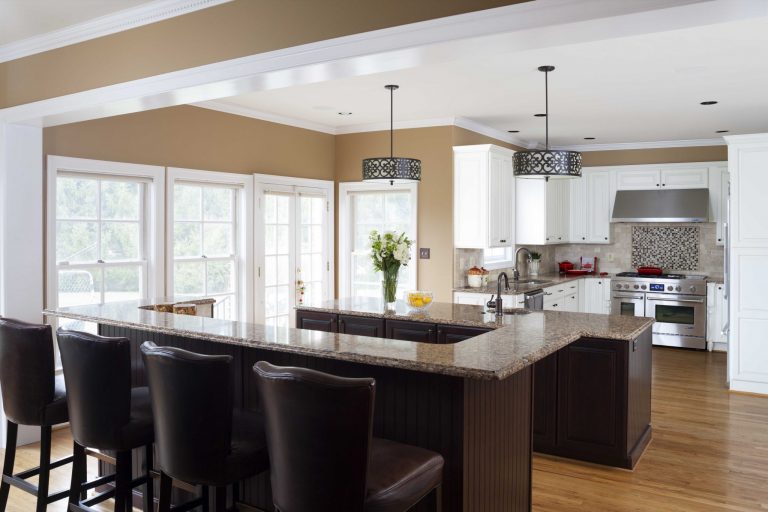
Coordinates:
(515, 341)
(551, 280)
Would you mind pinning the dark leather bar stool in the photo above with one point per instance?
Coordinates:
(105, 413)
(201, 438)
(32, 395)
(323, 456)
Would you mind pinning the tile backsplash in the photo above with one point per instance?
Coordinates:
(666, 247)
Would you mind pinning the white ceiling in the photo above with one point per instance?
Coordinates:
(21, 19)
(642, 88)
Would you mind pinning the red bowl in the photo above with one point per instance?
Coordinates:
(649, 271)
(577, 272)
(565, 266)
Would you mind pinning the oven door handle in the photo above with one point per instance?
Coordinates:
(669, 299)
(619, 297)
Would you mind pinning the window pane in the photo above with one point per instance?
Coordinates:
(270, 239)
(270, 209)
(186, 202)
(77, 241)
(78, 287)
(217, 203)
(221, 277)
(217, 239)
(188, 278)
(187, 240)
(283, 209)
(120, 241)
(120, 200)
(77, 198)
(368, 207)
(283, 242)
(283, 270)
(122, 283)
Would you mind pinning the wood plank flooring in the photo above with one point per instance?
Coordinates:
(709, 452)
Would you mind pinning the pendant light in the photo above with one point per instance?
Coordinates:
(547, 163)
(391, 168)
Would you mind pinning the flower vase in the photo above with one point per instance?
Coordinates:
(533, 267)
(389, 287)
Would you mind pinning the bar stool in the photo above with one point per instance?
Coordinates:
(106, 414)
(201, 438)
(32, 395)
(323, 456)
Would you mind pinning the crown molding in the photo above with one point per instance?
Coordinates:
(119, 21)
(644, 145)
(480, 128)
(238, 110)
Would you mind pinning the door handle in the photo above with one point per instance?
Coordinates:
(666, 299)
(633, 298)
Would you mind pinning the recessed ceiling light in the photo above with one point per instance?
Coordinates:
(709, 102)
(539, 115)
(345, 113)
(513, 131)
(722, 131)
(589, 138)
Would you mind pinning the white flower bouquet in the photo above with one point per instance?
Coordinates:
(388, 252)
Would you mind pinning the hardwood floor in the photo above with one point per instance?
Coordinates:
(709, 452)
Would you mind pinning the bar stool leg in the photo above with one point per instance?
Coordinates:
(439, 498)
(12, 430)
(122, 481)
(45, 468)
(165, 493)
(206, 499)
(220, 499)
(78, 473)
(149, 488)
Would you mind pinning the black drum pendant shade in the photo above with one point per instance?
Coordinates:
(391, 168)
(547, 163)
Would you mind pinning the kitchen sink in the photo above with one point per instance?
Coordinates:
(531, 281)
(516, 311)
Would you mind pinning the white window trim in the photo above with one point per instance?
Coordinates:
(244, 228)
(345, 232)
(506, 263)
(155, 218)
(290, 184)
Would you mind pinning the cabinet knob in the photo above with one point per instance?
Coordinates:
(502, 241)
(658, 185)
(606, 238)
(719, 239)
(559, 238)
(583, 238)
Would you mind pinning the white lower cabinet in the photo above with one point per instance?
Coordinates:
(597, 296)
(471, 298)
(717, 312)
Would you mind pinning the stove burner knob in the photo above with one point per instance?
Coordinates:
(677, 288)
(618, 286)
(643, 287)
(637, 287)
(626, 287)
(692, 289)
(669, 288)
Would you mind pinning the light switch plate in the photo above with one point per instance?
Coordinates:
(424, 253)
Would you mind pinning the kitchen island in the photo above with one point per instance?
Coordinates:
(465, 389)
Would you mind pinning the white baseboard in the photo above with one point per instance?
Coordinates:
(720, 346)
(744, 386)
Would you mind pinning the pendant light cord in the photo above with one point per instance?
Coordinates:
(391, 122)
(546, 107)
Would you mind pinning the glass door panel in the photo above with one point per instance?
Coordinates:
(278, 281)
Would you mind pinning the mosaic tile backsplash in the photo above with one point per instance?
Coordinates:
(668, 247)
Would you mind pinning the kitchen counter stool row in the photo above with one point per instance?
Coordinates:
(314, 432)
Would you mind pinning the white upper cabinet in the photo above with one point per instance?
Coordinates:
(719, 180)
(669, 176)
(483, 197)
(590, 207)
(578, 217)
(542, 211)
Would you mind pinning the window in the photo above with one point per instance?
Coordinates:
(103, 243)
(208, 248)
(366, 207)
(498, 257)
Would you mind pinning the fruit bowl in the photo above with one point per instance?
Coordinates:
(418, 300)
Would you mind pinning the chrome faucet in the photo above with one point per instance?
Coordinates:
(515, 272)
(499, 305)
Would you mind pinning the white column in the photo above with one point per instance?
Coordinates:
(21, 232)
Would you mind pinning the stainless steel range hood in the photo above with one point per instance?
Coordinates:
(683, 205)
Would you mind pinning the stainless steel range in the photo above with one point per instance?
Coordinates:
(677, 302)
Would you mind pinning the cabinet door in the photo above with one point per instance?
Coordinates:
(594, 295)
(551, 212)
(545, 404)
(557, 211)
(716, 312)
(606, 289)
(361, 326)
(455, 334)
(598, 206)
(636, 179)
(316, 321)
(571, 303)
(697, 177)
(411, 331)
(578, 210)
(470, 199)
(471, 299)
(500, 201)
(592, 398)
(722, 208)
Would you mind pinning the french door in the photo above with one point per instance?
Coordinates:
(294, 242)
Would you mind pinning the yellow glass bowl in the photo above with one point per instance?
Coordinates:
(418, 300)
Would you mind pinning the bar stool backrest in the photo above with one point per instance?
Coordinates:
(318, 429)
(97, 373)
(26, 370)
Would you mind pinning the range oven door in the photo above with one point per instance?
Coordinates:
(678, 315)
(628, 304)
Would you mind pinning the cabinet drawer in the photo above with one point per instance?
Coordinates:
(361, 326)
(316, 321)
(411, 331)
(455, 334)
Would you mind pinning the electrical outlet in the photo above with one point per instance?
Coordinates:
(609, 256)
(424, 253)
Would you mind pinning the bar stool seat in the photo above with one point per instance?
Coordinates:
(56, 412)
(399, 474)
(139, 431)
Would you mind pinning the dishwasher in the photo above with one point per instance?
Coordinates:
(534, 300)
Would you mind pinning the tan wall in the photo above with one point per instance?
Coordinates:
(197, 138)
(464, 137)
(655, 156)
(227, 31)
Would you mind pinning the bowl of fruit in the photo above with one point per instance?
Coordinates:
(418, 300)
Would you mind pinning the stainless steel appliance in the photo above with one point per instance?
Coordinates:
(534, 300)
(677, 302)
(678, 205)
